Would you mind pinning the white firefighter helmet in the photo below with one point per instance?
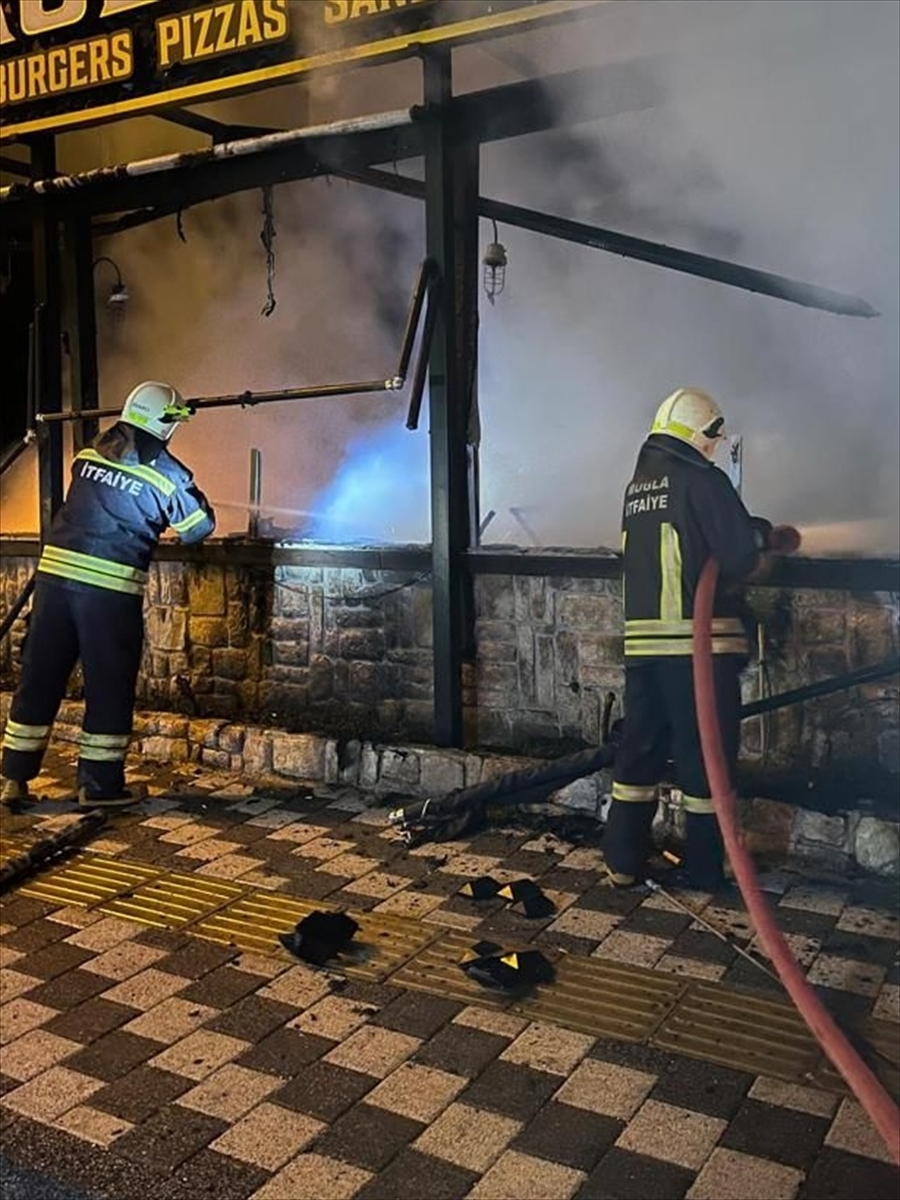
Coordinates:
(156, 407)
(693, 417)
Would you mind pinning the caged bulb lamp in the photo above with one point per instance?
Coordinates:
(494, 267)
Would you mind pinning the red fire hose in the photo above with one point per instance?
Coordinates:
(883, 1112)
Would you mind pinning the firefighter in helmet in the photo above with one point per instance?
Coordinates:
(679, 510)
(88, 597)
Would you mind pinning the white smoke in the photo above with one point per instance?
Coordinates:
(776, 146)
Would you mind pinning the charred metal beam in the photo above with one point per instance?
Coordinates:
(81, 326)
(164, 164)
(425, 283)
(718, 270)
(47, 356)
(510, 110)
(12, 614)
(133, 220)
(420, 371)
(837, 574)
(242, 399)
(16, 166)
(550, 101)
(450, 166)
(425, 277)
(832, 574)
(12, 453)
(193, 177)
(815, 574)
(219, 131)
(824, 687)
(519, 562)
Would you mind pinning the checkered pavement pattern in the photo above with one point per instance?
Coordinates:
(135, 1058)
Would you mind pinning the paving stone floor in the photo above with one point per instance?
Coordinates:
(135, 1058)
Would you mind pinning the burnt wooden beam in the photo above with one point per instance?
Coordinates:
(16, 166)
(510, 110)
(703, 266)
(830, 574)
(200, 178)
(219, 131)
(451, 234)
(47, 359)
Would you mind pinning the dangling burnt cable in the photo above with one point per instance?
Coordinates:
(267, 237)
(879, 1106)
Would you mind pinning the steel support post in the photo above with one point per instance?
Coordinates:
(47, 350)
(81, 326)
(451, 225)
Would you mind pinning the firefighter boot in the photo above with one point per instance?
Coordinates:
(128, 796)
(14, 792)
(704, 854)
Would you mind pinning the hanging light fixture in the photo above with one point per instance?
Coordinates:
(118, 294)
(494, 267)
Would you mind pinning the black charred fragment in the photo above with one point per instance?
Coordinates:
(320, 936)
(512, 971)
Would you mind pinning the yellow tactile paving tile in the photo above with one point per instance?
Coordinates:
(86, 879)
(171, 900)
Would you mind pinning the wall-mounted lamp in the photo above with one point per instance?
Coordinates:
(118, 294)
(494, 267)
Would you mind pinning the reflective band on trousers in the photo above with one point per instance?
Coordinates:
(103, 747)
(652, 626)
(697, 804)
(86, 568)
(634, 793)
(25, 737)
(671, 647)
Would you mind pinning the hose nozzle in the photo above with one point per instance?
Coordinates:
(784, 539)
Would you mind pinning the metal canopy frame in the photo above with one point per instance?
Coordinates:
(446, 132)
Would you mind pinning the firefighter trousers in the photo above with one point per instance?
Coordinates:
(104, 630)
(661, 723)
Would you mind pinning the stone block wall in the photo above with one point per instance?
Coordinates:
(549, 649)
(14, 574)
(337, 649)
(348, 652)
(811, 635)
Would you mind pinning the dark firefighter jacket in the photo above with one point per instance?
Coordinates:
(125, 491)
(679, 510)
